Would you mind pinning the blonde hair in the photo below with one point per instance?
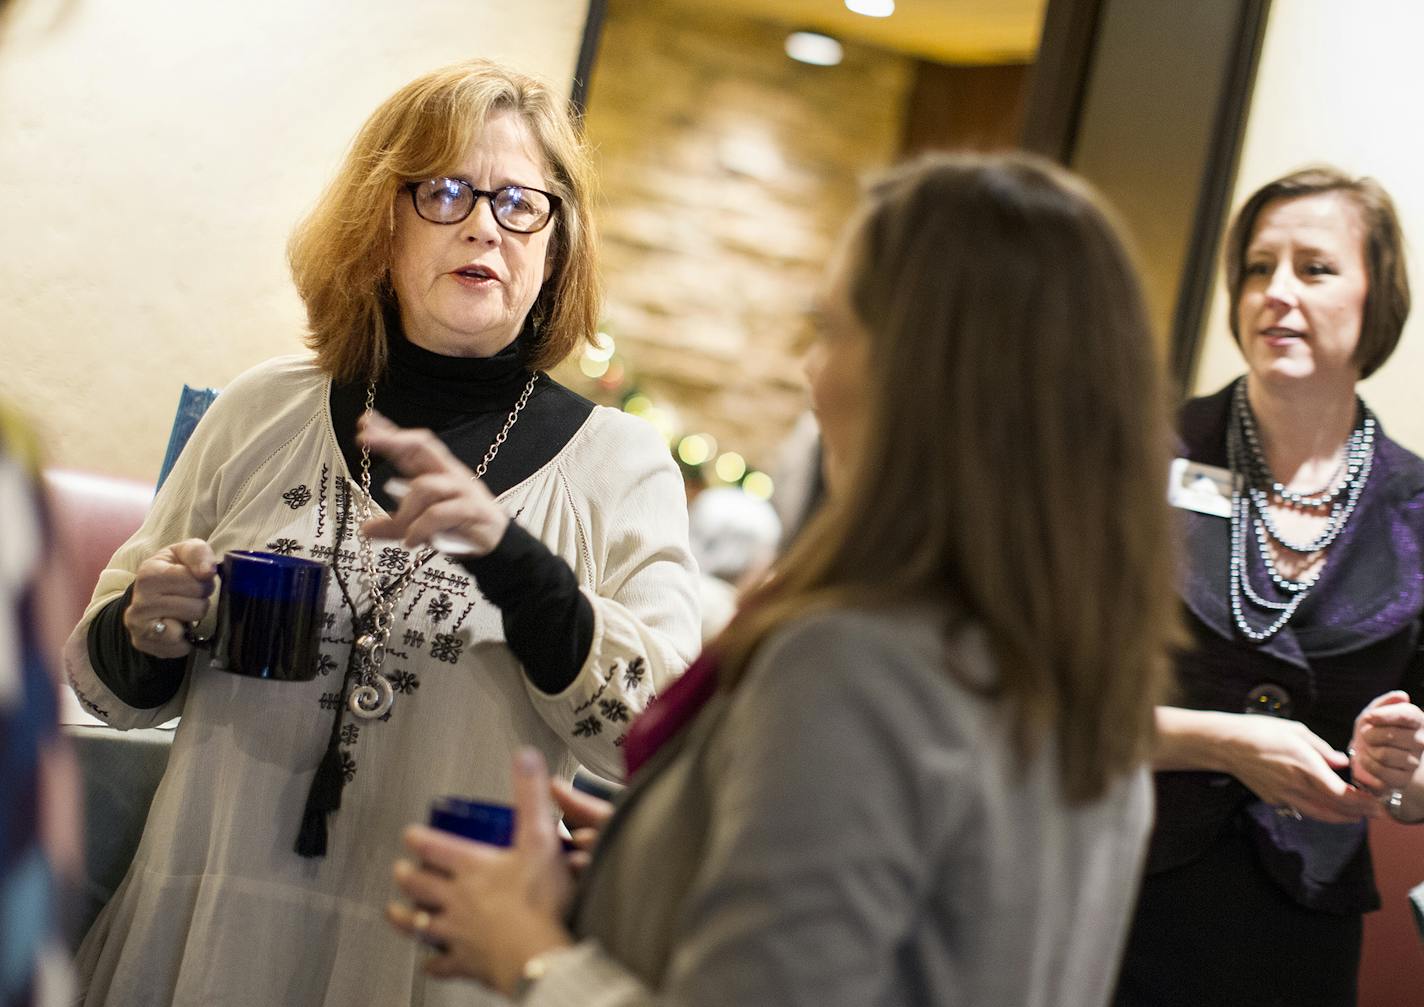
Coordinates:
(341, 254)
(1013, 462)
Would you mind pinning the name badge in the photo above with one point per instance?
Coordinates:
(1205, 489)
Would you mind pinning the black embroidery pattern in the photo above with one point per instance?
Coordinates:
(446, 647)
(330, 700)
(440, 608)
(618, 741)
(405, 682)
(468, 609)
(415, 597)
(328, 620)
(297, 497)
(86, 702)
(346, 557)
(321, 501)
(614, 710)
(392, 559)
(350, 733)
(446, 581)
(414, 638)
(597, 693)
(588, 727)
(348, 766)
(325, 664)
(633, 674)
(285, 547)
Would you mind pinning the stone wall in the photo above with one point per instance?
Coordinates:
(727, 170)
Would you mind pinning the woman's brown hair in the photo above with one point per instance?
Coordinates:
(1387, 290)
(1012, 467)
(341, 254)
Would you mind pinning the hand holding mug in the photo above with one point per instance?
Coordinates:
(490, 909)
(170, 590)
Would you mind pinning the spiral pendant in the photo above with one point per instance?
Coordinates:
(371, 700)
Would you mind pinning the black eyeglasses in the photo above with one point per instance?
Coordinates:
(517, 208)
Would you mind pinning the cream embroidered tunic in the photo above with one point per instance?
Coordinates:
(217, 909)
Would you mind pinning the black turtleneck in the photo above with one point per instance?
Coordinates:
(465, 401)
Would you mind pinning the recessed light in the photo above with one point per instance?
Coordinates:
(871, 8)
(814, 48)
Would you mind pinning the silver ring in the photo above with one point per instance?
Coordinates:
(158, 628)
(1286, 811)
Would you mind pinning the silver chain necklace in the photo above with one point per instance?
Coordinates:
(1250, 503)
(374, 694)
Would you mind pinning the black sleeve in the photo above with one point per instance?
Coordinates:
(139, 680)
(548, 622)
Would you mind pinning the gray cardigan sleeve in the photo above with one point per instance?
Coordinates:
(835, 789)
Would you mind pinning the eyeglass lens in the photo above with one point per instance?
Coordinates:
(450, 200)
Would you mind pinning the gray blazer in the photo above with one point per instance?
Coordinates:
(849, 828)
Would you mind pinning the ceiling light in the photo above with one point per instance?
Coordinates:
(814, 48)
(871, 8)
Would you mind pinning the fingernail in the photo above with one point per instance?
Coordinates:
(527, 761)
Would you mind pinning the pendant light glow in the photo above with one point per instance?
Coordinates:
(814, 48)
(871, 8)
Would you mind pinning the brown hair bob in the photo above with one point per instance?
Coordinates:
(341, 254)
(1387, 291)
(1010, 470)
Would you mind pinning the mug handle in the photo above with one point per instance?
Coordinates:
(190, 629)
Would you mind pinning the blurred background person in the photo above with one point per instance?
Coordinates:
(912, 770)
(734, 538)
(1304, 593)
(449, 264)
(39, 826)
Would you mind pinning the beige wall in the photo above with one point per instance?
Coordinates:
(1340, 82)
(727, 171)
(157, 153)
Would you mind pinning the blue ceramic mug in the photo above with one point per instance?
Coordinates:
(487, 823)
(269, 616)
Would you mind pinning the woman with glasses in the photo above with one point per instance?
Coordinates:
(913, 768)
(447, 266)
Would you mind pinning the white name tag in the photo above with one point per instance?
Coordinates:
(1205, 489)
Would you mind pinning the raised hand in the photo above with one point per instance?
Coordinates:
(440, 498)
